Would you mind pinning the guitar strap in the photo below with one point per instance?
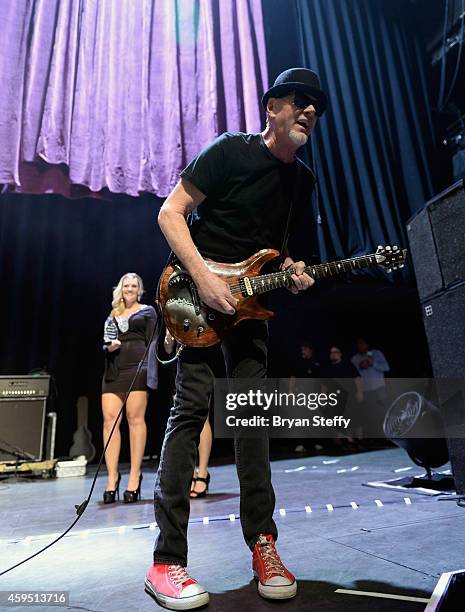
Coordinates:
(290, 215)
(295, 188)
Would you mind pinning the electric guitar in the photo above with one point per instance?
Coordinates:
(194, 324)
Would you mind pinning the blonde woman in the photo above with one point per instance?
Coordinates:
(127, 332)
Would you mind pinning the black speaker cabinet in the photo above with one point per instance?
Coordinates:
(444, 318)
(437, 243)
(453, 410)
(447, 214)
(423, 253)
(22, 424)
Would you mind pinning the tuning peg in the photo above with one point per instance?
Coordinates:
(388, 248)
(401, 266)
(395, 248)
(389, 270)
(380, 246)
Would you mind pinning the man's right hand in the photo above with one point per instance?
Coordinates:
(215, 292)
(169, 342)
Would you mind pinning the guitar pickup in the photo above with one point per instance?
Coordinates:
(246, 286)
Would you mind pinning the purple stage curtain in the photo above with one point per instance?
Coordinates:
(119, 95)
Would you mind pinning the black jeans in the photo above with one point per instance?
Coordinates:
(245, 356)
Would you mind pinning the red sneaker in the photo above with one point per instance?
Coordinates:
(172, 587)
(274, 580)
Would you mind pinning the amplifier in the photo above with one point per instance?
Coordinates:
(444, 319)
(447, 215)
(437, 246)
(22, 422)
(24, 386)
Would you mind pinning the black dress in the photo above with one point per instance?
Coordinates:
(121, 365)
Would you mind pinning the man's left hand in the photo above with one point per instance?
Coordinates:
(301, 279)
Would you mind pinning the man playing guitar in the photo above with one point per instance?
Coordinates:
(248, 191)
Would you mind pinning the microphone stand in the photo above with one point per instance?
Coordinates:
(17, 452)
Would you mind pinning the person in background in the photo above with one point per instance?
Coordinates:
(352, 393)
(306, 366)
(372, 365)
(127, 332)
(339, 367)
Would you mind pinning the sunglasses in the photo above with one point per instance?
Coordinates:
(302, 101)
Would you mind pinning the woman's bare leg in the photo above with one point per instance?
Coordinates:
(135, 412)
(111, 405)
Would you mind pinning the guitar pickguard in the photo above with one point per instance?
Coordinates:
(183, 305)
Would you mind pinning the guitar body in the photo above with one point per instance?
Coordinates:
(193, 323)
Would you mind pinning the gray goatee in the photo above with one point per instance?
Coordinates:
(298, 138)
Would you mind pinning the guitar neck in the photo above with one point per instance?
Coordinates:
(344, 265)
(276, 280)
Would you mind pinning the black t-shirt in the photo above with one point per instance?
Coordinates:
(306, 368)
(343, 369)
(334, 372)
(248, 193)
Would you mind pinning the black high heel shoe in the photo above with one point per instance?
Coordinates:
(109, 496)
(206, 481)
(130, 497)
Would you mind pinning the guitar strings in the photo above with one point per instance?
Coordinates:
(235, 287)
(336, 265)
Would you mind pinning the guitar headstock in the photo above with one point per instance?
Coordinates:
(391, 258)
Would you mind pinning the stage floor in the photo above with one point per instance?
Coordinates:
(334, 534)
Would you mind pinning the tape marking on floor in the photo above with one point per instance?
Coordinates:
(383, 595)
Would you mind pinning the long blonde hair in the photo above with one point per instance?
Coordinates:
(118, 304)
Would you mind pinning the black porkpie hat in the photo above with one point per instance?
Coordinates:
(298, 79)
